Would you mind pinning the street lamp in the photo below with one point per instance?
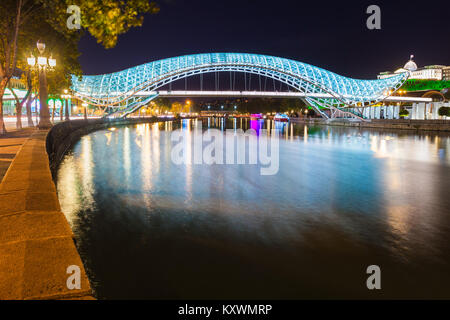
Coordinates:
(42, 64)
(66, 96)
(52, 62)
(41, 46)
(31, 61)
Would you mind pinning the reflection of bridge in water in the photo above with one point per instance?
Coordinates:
(130, 89)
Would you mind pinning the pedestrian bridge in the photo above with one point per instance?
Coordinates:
(263, 94)
(133, 88)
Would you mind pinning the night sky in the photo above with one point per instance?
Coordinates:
(329, 34)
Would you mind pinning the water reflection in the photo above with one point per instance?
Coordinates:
(343, 199)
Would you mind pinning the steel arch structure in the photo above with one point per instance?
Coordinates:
(120, 89)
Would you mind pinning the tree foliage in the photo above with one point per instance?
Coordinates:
(105, 20)
(403, 113)
(444, 111)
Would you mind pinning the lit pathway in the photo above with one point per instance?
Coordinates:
(10, 143)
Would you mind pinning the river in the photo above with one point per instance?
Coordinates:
(342, 199)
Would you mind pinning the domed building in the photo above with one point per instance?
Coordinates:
(410, 65)
(433, 72)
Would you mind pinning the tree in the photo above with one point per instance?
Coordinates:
(105, 20)
(19, 103)
(163, 104)
(62, 47)
(403, 113)
(176, 108)
(11, 16)
(19, 21)
(444, 111)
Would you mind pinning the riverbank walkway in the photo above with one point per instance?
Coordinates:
(36, 241)
(10, 144)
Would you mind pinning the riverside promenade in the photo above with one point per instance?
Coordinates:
(10, 144)
(36, 242)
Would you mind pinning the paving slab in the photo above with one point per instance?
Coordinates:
(11, 270)
(33, 225)
(45, 269)
(10, 144)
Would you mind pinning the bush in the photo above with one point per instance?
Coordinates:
(403, 113)
(444, 111)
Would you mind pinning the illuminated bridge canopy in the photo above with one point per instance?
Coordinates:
(120, 89)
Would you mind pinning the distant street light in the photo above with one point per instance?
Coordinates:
(188, 102)
(85, 105)
(43, 64)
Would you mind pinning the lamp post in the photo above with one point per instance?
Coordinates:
(66, 96)
(85, 105)
(61, 109)
(188, 102)
(42, 63)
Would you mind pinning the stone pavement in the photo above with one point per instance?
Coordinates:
(10, 144)
(36, 242)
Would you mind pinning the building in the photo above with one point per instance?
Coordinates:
(9, 102)
(416, 111)
(433, 72)
(446, 74)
